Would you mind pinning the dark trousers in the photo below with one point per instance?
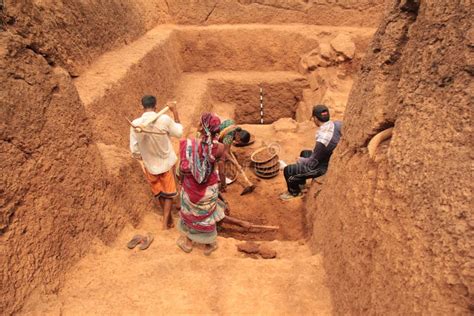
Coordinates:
(296, 174)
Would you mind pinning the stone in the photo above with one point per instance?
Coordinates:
(312, 60)
(326, 51)
(285, 124)
(315, 80)
(248, 247)
(344, 45)
(266, 252)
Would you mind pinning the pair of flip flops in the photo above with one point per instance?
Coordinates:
(143, 241)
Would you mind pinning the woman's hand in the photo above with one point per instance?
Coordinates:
(222, 186)
(227, 209)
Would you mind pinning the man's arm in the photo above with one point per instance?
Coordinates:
(175, 128)
(134, 144)
(319, 153)
(222, 178)
(174, 110)
(220, 157)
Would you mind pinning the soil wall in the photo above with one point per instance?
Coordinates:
(251, 48)
(157, 73)
(321, 12)
(60, 188)
(73, 33)
(56, 195)
(280, 99)
(62, 182)
(397, 232)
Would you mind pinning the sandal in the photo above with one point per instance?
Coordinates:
(181, 242)
(146, 242)
(135, 241)
(288, 196)
(212, 247)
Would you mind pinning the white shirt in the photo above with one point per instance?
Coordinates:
(156, 150)
(325, 133)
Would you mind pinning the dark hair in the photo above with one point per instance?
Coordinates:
(149, 102)
(321, 112)
(244, 136)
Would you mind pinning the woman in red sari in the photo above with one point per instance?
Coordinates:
(201, 207)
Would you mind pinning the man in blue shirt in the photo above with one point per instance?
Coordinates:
(313, 164)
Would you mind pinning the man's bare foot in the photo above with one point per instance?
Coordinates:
(210, 248)
(185, 244)
(170, 222)
(166, 223)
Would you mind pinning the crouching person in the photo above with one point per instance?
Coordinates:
(313, 163)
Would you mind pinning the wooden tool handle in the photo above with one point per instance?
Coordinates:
(163, 111)
(240, 168)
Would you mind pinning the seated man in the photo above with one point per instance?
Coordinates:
(313, 164)
(230, 134)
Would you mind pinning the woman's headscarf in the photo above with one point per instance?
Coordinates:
(211, 123)
(202, 160)
(227, 132)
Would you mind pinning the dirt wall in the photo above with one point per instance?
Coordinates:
(157, 74)
(281, 99)
(248, 48)
(321, 12)
(396, 232)
(56, 195)
(257, 47)
(61, 188)
(72, 33)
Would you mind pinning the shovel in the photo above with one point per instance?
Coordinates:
(250, 186)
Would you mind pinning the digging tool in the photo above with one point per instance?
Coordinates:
(247, 225)
(141, 128)
(250, 186)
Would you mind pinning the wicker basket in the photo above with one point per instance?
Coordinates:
(266, 161)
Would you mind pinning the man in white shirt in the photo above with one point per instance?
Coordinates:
(155, 152)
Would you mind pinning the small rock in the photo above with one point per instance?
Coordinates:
(344, 45)
(326, 51)
(266, 252)
(285, 124)
(311, 61)
(249, 247)
(315, 80)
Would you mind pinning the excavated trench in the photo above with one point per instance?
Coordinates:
(230, 70)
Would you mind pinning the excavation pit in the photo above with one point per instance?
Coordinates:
(263, 206)
(222, 69)
(115, 53)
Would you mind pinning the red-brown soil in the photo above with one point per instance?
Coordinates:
(397, 232)
(115, 280)
(100, 99)
(393, 234)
